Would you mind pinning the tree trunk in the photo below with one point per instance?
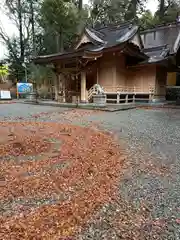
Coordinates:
(162, 8)
(57, 43)
(56, 86)
(20, 31)
(33, 27)
(80, 5)
(61, 41)
(132, 10)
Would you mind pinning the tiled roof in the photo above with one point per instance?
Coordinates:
(161, 41)
(163, 35)
(158, 43)
(156, 54)
(111, 36)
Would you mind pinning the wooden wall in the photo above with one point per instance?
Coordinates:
(142, 78)
(107, 71)
(160, 86)
(113, 73)
(121, 71)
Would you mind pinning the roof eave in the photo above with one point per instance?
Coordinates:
(54, 58)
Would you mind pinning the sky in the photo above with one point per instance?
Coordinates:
(11, 30)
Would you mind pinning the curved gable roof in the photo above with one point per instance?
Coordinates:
(107, 37)
(114, 35)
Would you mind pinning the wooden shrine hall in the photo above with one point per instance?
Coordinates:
(128, 65)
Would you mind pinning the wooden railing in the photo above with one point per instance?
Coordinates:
(123, 94)
(92, 91)
(127, 89)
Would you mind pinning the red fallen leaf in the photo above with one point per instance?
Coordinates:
(84, 150)
(2, 183)
(68, 238)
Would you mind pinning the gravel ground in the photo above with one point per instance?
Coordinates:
(20, 110)
(152, 177)
(150, 184)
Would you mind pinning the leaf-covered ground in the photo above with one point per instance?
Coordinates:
(62, 178)
(53, 178)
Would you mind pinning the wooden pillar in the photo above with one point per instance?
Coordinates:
(97, 80)
(56, 86)
(57, 81)
(63, 88)
(83, 87)
(118, 98)
(114, 75)
(134, 98)
(160, 85)
(127, 98)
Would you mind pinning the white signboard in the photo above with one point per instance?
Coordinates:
(5, 95)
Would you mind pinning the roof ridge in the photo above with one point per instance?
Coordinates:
(155, 47)
(96, 32)
(160, 26)
(94, 36)
(124, 24)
